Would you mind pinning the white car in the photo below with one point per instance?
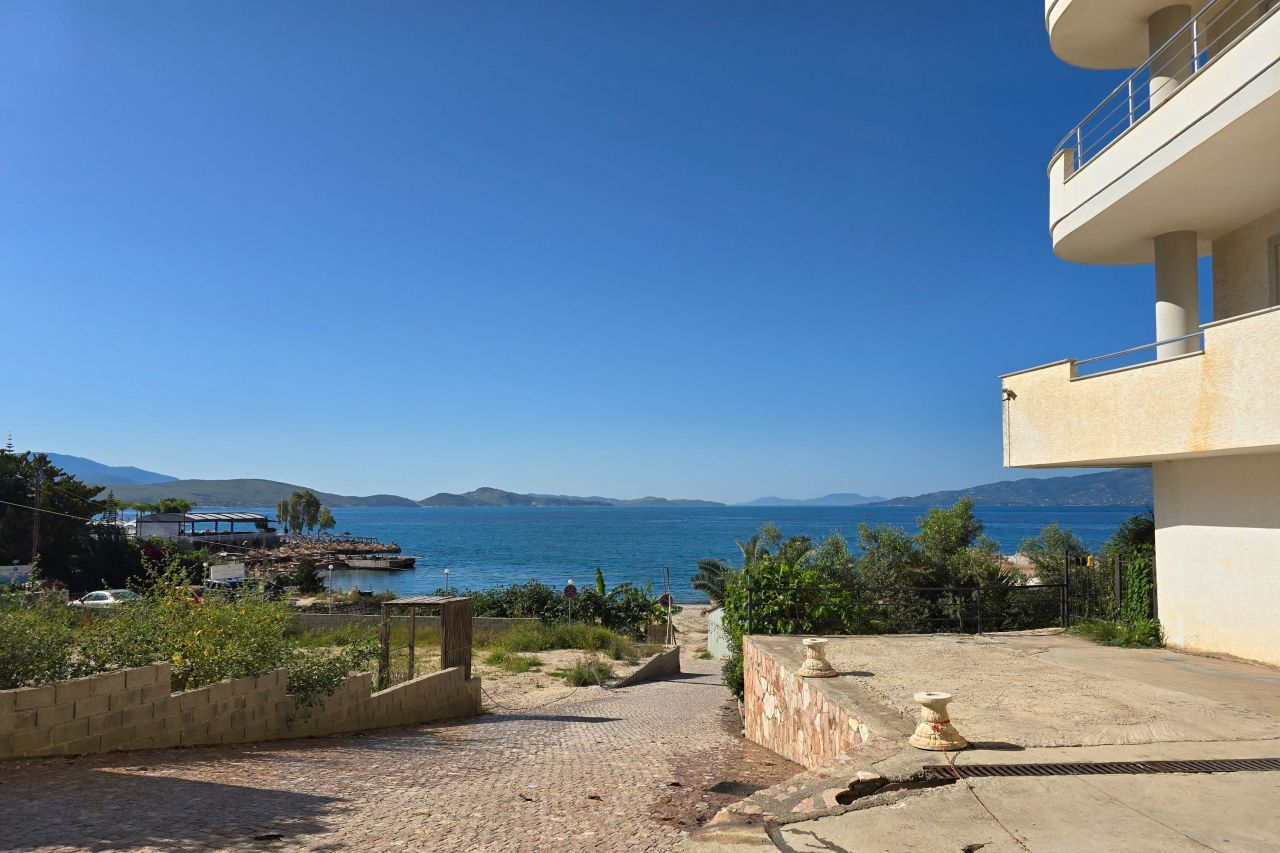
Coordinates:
(106, 598)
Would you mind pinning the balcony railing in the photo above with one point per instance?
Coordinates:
(1210, 33)
(1123, 358)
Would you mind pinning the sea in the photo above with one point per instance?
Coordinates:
(496, 546)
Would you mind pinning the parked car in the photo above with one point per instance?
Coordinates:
(106, 598)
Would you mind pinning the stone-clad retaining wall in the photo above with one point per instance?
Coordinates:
(791, 715)
(133, 709)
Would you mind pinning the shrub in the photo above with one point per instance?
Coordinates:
(511, 662)
(316, 673)
(588, 638)
(1140, 633)
(306, 577)
(588, 671)
(36, 641)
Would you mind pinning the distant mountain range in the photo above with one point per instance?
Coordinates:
(488, 496)
(837, 499)
(239, 493)
(1122, 487)
(95, 472)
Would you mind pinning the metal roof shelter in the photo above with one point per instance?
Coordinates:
(455, 633)
(170, 517)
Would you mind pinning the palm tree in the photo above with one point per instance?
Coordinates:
(750, 551)
(711, 578)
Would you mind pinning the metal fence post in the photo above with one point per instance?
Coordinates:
(1119, 593)
(1066, 589)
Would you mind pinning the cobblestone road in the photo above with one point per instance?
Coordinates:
(632, 770)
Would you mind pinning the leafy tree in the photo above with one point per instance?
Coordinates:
(326, 521)
(110, 559)
(63, 506)
(306, 576)
(1049, 550)
(304, 511)
(174, 505)
(600, 588)
(1136, 535)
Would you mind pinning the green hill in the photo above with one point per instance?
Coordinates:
(1122, 487)
(241, 493)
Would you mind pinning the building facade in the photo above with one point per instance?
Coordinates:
(1180, 162)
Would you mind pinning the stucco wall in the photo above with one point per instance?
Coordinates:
(1218, 554)
(133, 709)
(1242, 269)
(1226, 400)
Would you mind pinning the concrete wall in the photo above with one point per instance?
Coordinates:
(1242, 268)
(133, 709)
(1226, 400)
(717, 636)
(308, 621)
(664, 663)
(1218, 554)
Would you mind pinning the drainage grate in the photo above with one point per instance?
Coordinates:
(1102, 768)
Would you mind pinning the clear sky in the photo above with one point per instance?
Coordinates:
(715, 250)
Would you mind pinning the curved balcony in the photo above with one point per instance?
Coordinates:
(1181, 145)
(1220, 400)
(1103, 34)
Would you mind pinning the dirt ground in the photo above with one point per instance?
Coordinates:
(538, 688)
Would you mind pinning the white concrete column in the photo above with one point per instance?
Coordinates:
(1171, 65)
(1177, 292)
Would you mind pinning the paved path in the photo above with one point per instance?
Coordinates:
(628, 771)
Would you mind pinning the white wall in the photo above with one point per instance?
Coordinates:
(1218, 554)
(1242, 268)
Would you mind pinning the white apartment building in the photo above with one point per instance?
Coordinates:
(1181, 161)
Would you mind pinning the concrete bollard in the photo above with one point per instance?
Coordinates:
(815, 661)
(934, 730)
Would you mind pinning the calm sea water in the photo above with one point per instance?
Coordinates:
(495, 546)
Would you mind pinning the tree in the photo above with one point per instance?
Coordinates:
(1049, 549)
(710, 579)
(174, 505)
(304, 511)
(306, 576)
(327, 521)
(44, 507)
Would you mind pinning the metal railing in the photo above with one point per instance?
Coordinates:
(1198, 334)
(1210, 33)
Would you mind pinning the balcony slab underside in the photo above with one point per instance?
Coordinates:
(1204, 162)
(1103, 33)
(1224, 400)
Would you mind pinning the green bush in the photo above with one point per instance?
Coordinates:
(589, 671)
(1140, 633)
(37, 641)
(625, 609)
(316, 673)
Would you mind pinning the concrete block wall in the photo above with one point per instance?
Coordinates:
(134, 709)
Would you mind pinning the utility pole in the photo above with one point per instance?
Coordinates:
(35, 514)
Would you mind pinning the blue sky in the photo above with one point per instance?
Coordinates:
(709, 250)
